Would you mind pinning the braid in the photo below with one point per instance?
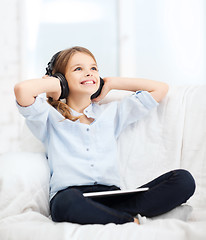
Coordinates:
(63, 108)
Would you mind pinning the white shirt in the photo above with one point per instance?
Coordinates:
(82, 154)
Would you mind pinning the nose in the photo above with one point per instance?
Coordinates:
(88, 74)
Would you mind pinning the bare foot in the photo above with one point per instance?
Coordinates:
(136, 220)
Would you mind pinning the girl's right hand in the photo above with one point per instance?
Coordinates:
(55, 95)
(27, 91)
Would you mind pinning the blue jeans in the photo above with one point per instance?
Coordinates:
(165, 193)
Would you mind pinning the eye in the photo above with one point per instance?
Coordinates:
(78, 69)
(94, 68)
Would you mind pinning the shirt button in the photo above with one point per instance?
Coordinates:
(87, 149)
(87, 129)
(92, 165)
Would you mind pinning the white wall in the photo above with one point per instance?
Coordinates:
(9, 74)
(164, 40)
(158, 39)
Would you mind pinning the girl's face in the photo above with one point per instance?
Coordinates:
(82, 74)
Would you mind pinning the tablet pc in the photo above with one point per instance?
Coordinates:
(115, 192)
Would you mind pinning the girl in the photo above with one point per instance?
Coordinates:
(80, 140)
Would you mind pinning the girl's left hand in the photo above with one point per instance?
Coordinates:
(105, 89)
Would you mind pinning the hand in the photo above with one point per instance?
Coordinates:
(105, 89)
(53, 80)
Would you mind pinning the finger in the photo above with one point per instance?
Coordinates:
(45, 76)
(102, 94)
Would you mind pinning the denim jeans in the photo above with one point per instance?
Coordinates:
(165, 193)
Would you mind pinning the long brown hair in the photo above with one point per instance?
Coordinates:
(60, 66)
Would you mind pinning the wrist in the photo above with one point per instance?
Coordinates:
(110, 83)
(53, 87)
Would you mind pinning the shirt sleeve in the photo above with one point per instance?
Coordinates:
(133, 108)
(36, 116)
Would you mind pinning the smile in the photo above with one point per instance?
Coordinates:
(88, 82)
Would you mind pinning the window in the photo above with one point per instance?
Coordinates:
(161, 40)
(52, 25)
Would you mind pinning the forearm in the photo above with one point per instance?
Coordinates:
(26, 91)
(157, 89)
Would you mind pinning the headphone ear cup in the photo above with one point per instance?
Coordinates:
(60, 76)
(97, 93)
(64, 85)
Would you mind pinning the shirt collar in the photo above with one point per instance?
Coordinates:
(75, 113)
(88, 111)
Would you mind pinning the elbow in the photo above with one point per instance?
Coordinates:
(21, 94)
(165, 89)
(18, 90)
(161, 92)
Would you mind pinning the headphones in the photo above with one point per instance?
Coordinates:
(63, 81)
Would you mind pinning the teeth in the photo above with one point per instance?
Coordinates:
(88, 82)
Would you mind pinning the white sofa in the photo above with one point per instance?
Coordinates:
(172, 136)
